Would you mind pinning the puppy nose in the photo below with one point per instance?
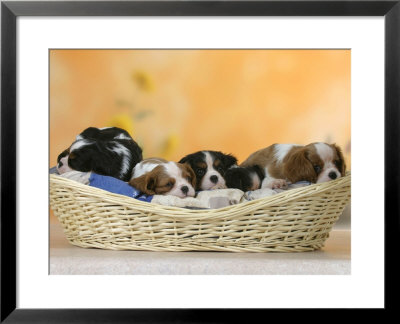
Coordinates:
(185, 189)
(214, 179)
(332, 175)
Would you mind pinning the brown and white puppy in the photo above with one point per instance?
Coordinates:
(315, 162)
(157, 176)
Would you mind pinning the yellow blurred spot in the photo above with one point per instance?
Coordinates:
(143, 81)
(169, 146)
(123, 121)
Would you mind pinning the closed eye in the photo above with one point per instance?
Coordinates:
(317, 168)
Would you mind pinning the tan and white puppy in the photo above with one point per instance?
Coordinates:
(155, 176)
(315, 162)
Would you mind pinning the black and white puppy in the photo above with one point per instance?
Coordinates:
(244, 178)
(107, 151)
(209, 168)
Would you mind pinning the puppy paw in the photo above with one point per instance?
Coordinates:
(219, 186)
(259, 193)
(278, 184)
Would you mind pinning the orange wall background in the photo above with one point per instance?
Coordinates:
(175, 102)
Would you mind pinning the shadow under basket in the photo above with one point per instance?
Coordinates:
(293, 221)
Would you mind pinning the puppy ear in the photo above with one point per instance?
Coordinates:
(342, 167)
(184, 160)
(135, 150)
(229, 160)
(63, 154)
(189, 159)
(82, 161)
(145, 183)
(192, 174)
(299, 168)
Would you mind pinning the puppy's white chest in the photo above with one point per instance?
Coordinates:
(256, 181)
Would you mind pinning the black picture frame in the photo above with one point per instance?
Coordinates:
(11, 10)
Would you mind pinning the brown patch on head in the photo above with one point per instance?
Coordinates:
(188, 173)
(314, 158)
(300, 162)
(339, 159)
(200, 165)
(219, 166)
(155, 182)
(217, 163)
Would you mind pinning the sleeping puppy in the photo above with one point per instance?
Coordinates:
(157, 176)
(209, 168)
(244, 178)
(109, 151)
(283, 163)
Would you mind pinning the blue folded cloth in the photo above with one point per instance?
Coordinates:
(107, 183)
(53, 170)
(117, 186)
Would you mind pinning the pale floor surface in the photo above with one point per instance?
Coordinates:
(333, 259)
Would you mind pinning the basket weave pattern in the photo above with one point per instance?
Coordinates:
(292, 221)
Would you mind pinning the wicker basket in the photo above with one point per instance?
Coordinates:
(292, 221)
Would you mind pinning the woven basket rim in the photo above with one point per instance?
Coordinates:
(177, 212)
(292, 221)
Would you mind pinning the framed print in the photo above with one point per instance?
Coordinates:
(195, 74)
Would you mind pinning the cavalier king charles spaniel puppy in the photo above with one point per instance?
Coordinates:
(156, 176)
(275, 166)
(109, 151)
(209, 168)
